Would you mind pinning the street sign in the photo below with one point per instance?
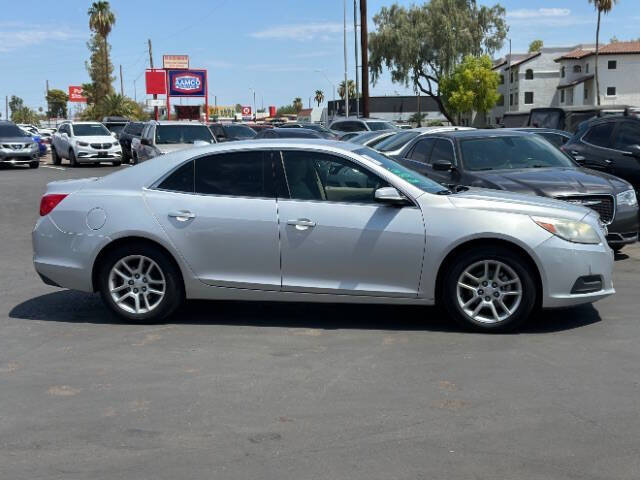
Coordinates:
(76, 94)
(175, 62)
(156, 102)
(246, 111)
(156, 81)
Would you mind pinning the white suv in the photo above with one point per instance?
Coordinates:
(85, 142)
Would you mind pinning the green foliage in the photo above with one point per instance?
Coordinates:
(420, 44)
(319, 97)
(20, 113)
(435, 123)
(238, 108)
(472, 86)
(536, 46)
(297, 104)
(286, 110)
(417, 118)
(352, 89)
(100, 68)
(115, 105)
(57, 101)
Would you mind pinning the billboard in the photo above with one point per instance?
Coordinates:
(246, 111)
(76, 94)
(187, 83)
(175, 62)
(156, 82)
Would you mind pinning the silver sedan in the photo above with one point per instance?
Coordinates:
(316, 221)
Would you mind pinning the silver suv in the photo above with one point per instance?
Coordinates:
(163, 137)
(16, 146)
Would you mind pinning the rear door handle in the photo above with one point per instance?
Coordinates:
(301, 223)
(182, 215)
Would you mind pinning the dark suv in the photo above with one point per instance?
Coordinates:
(610, 144)
(129, 132)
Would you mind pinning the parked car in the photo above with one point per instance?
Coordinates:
(256, 127)
(42, 146)
(159, 138)
(209, 223)
(115, 124)
(610, 144)
(129, 132)
(569, 118)
(30, 128)
(85, 142)
(321, 129)
(16, 146)
(371, 139)
(228, 132)
(357, 124)
(288, 133)
(556, 137)
(345, 137)
(525, 163)
(394, 146)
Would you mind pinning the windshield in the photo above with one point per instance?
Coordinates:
(414, 178)
(177, 134)
(363, 138)
(12, 131)
(396, 141)
(380, 126)
(510, 152)
(116, 128)
(90, 130)
(240, 131)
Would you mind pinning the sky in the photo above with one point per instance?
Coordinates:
(275, 47)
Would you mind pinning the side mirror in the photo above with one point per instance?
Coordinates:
(145, 141)
(633, 151)
(391, 196)
(443, 165)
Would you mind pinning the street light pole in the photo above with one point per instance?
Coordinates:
(355, 35)
(346, 83)
(333, 116)
(508, 99)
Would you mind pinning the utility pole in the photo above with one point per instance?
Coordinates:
(508, 99)
(346, 82)
(155, 96)
(48, 106)
(6, 107)
(355, 41)
(121, 83)
(364, 63)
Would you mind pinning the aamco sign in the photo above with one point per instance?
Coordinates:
(187, 83)
(76, 94)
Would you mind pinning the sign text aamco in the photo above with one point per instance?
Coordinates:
(187, 83)
(176, 62)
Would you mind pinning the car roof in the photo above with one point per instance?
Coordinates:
(538, 130)
(482, 133)
(175, 122)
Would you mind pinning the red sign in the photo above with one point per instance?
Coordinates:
(156, 81)
(272, 111)
(246, 111)
(76, 94)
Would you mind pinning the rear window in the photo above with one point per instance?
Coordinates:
(134, 128)
(178, 134)
(240, 131)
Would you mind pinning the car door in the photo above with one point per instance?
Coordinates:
(146, 149)
(62, 146)
(627, 134)
(219, 211)
(336, 239)
(417, 157)
(595, 147)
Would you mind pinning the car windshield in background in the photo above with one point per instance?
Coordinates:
(12, 131)
(510, 152)
(364, 137)
(380, 126)
(90, 130)
(414, 178)
(176, 134)
(116, 128)
(240, 131)
(396, 141)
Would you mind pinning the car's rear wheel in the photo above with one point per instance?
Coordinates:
(489, 289)
(135, 158)
(139, 283)
(54, 157)
(72, 158)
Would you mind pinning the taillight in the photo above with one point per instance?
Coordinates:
(50, 201)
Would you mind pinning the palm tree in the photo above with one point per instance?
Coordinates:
(297, 104)
(319, 97)
(101, 21)
(602, 6)
(117, 105)
(352, 89)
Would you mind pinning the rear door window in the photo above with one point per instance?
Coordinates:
(181, 180)
(421, 152)
(237, 174)
(442, 150)
(600, 135)
(628, 134)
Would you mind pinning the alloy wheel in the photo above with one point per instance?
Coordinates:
(137, 284)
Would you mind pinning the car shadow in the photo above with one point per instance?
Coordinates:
(618, 256)
(70, 306)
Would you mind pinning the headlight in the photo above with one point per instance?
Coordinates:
(83, 144)
(627, 198)
(576, 232)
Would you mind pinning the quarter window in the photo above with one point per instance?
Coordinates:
(237, 174)
(322, 177)
(180, 180)
(600, 135)
(422, 150)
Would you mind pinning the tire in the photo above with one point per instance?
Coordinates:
(72, 158)
(54, 157)
(126, 157)
(480, 293)
(163, 268)
(116, 164)
(616, 248)
(35, 164)
(135, 158)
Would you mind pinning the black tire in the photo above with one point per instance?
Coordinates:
(54, 157)
(135, 158)
(34, 164)
(174, 287)
(116, 164)
(72, 158)
(126, 157)
(449, 291)
(616, 248)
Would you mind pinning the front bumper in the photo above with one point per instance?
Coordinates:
(18, 157)
(624, 228)
(88, 155)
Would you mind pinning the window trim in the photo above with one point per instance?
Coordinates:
(582, 137)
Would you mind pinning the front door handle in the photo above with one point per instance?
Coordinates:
(301, 223)
(182, 215)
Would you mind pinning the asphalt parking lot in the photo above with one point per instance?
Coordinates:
(296, 391)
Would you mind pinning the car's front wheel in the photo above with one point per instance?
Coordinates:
(54, 157)
(72, 158)
(140, 283)
(34, 164)
(489, 289)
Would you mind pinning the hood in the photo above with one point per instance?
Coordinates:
(507, 202)
(16, 140)
(551, 182)
(96, 139)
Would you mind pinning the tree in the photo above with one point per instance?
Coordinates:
(57, 101)
(417, 118)
(98, 69)
(238, 108)
(352, 89)
(20, 113)
(601, 6)
(101, 21)
(286, 110)
(421, 44)
(319, 97)
(473, 86)
(536, 46)
(297, 104)
(115, 105)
